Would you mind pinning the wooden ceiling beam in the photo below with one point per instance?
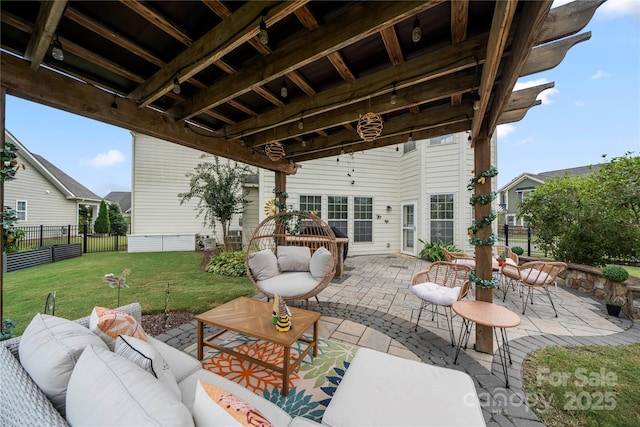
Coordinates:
(531, 21)
(407, 97)
(341, 67)
(526, 97)
(503, 15)
(567, 20)
(46, 24)
(266, 94)
(435, 64)
(55, 90)
(517, 114)
(459, 22)
(551, 54)
(391, 43)
(158, 20)
(355, 24)
(306, 18)
(297, 79)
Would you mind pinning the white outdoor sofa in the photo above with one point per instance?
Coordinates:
(377, 389)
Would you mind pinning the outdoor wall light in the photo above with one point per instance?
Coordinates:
(57, 51)
(388, 208)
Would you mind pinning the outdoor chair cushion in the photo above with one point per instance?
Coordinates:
(321, 263)
(49, 349)
(289, 284)
(532, 276)
(263, 264)
(108, 323)
(437, 294)
(294, 258)
(107, 389)
(465, 261)
(182, 365)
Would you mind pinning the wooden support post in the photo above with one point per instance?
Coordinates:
(482, 162)
(281, 187)
(3, 104)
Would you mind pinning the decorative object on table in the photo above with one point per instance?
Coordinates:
(369, 126)
(281, 314)
(502, 258)
(117, 281)
(615, 275)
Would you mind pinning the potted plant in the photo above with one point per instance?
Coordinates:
(502, 258)
(616, 275)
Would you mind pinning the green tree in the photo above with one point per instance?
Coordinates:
(591, 218)
(218, 188)
(102, 224)
(118, 224)
(85, 213)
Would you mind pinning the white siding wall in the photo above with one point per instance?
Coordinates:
(46, 205)
(159, 174)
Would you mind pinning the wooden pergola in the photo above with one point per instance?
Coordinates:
(231, 77)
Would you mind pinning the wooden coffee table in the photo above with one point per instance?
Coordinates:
(486, 314)
(254, 318)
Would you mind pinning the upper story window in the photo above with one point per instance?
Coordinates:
(440, 140)
(21, 210)
(311, 204)
(523, 193)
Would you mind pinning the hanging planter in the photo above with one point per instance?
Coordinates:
(370, 126)
(274, 150)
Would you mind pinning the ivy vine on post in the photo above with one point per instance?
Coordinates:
(480, 223)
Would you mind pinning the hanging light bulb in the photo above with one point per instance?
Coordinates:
(57, 51)
(114, 106)
(410, 139)
(304, 143)
(300, 123)
(476, 102)
(397, 148)
(283, 89)
(263, 35)
(416, 33)
(176, 86)
(394, 96)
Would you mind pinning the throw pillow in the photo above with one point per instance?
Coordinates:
(321, 263)
(263, 264)
(107, 389)
(148, 358)
(439, 295)
(214, 406)
(108, 323)
(49, 349)
(294, 258)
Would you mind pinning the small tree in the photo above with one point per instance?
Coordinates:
(85, 213)
(218, 186)
(117, 221)
(102, 224)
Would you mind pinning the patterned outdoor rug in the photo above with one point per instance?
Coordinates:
(311, 386)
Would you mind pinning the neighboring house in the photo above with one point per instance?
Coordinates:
(384, 199)
(122, 199)
(510, 196)
(42, 194)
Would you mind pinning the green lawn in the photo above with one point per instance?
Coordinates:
(79, 286)
(633, 271)
(584, 386)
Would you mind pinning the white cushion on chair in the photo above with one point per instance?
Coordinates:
(432, 292)
(535, 277)
(263, 264)
(321, 263)
(294, 258)
(465, 261)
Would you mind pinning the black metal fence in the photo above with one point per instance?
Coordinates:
(47, 235)
(511, 236)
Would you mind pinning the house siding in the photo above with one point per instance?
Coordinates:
(46, 205)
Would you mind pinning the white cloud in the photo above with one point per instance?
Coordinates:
(617, 8)
(544, 96)
(110, 158)
(580, 103)
(505, 130)
(599, 75)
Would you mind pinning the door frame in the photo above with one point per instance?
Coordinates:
(413, 203)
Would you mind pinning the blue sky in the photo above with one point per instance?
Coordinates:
(594, 109)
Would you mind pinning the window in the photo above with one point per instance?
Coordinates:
(523, 193)
(21, 210)
(442, 218)
(311, 204)
(440, 140)
(337, 212)
(408, 147)
(363, 219)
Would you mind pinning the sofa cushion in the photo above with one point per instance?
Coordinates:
(321, 263)
(402, 393)
(294, 258)
(263, 264)
(108, 323)
(214, 406)
(276, 415)
(148, 358)
(289, 284)
(49, 349)
(182, 365)
(106, 389)
(432, 292)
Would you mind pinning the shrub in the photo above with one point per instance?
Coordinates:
(433, 252)
(7, 326)
(517, 250)
(228, 264)
(615, 273)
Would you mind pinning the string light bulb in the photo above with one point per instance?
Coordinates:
(476, 102)
(394, 95)
(263, 35)
(410, 139)
(283, 89)
(416, 32)
(176, 86)
(57, 51)
(300, 123)
(114, 106)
